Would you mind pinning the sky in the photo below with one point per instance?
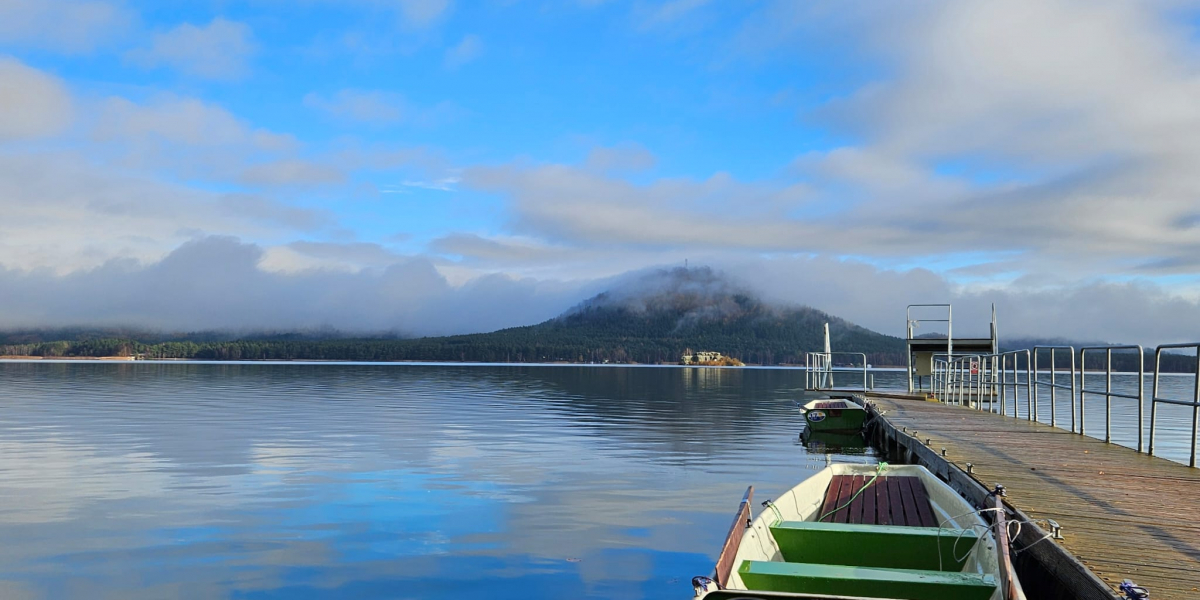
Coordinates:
(442, 166)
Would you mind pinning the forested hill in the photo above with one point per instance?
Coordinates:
(699, 313)
(653, 319)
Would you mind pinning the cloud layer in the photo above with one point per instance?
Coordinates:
(217, 283)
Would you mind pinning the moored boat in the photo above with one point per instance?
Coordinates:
(864, 531)
(834, 414)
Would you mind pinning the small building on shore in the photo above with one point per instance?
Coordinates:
(708, 359)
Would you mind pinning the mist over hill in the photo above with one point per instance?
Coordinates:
(650, 317)
(701, 309)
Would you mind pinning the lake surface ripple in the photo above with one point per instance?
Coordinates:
(144, 480)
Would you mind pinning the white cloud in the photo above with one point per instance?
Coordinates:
(218, 282)
(382, 108)
(63, 213)
(422, 13)
(1056, 139)
(303, 256)
(219, 50)
(360, 105)
(445, 184)
(876, 298)
(186, 121)
(69, 26)
(291, 172)
(672, 11)
(506, 250)
(200, 140)
(576, 205)
(467, 50)
(629, 156)
(33, 104)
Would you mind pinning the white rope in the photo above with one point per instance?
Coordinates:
(954, 548)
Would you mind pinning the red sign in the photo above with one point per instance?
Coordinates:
(974, 367)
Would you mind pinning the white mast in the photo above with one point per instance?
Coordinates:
(828, 356)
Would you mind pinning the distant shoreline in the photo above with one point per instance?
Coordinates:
(19, 357)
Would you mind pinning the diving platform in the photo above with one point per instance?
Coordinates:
(923, 349)
(958, 345)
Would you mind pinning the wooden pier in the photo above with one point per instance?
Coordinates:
(1124, 515)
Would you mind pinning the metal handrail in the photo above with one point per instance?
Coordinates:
(1155, 399)
(1108, 393)
(953, 383)
(814, 363)
(1053, 384)
(940, 378)
(1030, 406)
(814, 378)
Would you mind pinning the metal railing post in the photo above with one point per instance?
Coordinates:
(1053, 392)
(962, 381)
(1033, 384)
(1154, 399)
(1003, 381)
(1030, 389)
(1107, 392)
(1139, 396)
(1074, 394)
(1194, 403)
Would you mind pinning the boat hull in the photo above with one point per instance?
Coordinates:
(835, 420)
(834, 414)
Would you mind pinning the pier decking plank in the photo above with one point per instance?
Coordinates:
(1125, 515)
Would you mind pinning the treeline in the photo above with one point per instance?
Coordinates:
(521, 345)
(591, 336)
(427, 349)
(588, 336)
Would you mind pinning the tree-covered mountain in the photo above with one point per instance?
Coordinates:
(654, 318)
(658, 317)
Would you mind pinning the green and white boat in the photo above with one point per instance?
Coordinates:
(864, 531)
(840, 414)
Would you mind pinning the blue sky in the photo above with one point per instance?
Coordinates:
(1017, 152)
(485, 82)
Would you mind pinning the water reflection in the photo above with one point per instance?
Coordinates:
(828, 442)
(139, 480)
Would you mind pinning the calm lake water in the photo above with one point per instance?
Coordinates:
(143, 480)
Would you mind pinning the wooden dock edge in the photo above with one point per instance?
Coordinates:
(1046, 569)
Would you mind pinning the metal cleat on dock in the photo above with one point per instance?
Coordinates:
(1055, 529)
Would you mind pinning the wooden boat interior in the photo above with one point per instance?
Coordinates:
(868, 536)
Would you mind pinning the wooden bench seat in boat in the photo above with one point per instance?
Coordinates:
(888, 501)
(887, 546)
(901, 584)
